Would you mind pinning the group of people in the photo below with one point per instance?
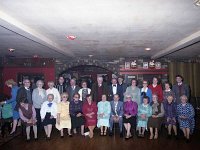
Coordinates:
(72, 107)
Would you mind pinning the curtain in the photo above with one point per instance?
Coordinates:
(190, 73)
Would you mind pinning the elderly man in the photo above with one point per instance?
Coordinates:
(72, 89)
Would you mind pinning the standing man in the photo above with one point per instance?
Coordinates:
(72, 89)
(61, 86)
(115, 88)
(98, 89)
(180, 88)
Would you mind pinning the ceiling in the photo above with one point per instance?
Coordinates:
(105, 29)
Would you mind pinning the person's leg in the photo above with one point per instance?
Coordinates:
(121, 124)
(101, 130)
(143, 130)
(38, 117)
(175, 130)
(46, 130)
(184, 132)
(188, 133)
(82, 129)
(28, 132)
(111, 124)
(14, 126)
(129, 129)
(105, 130)
(35, 131)
(139, 130)
(61, 133)
(151, 133)
(49, 128)
(156, 133)
(169, 129)
(69, 132)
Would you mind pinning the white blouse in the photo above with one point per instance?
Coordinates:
(56, 94)
(46, 109)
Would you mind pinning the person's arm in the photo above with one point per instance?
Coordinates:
(43, 111)
(160, 93)
(13, 96)
(134, 110)
(107, 113)
(58, 96)
(191, 113)
(22, 116)
(149, 112)
(161, 114)
(187, 90)
(34, 112)
(121, 111)
(54, 111)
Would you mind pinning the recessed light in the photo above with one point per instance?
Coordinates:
(147, 49)
(90, 56)
(11, 49)
(71, 37)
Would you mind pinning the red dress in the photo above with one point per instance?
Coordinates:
(157, 91)
(89, 109)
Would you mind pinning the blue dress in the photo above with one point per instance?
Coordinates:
(187, 111)
(103, 107)
(143, 109)
(13, 101)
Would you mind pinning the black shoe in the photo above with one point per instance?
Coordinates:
(48, 138)
(121, 135)
(61, 137)
(69, 135)
(176, 137)
(28, 140)
(188, 141)
(36, 139)
(111, 134)
(169, 136)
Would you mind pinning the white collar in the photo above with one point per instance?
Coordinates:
(144, 90)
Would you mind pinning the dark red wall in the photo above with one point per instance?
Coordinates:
(11, 73)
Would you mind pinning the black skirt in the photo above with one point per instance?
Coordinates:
(77, 121)
(131, 120)
(48, 121)
(155, 122)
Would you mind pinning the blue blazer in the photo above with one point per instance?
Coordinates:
(120, 108)
(149, 94)
(13, 100)
(119, 92)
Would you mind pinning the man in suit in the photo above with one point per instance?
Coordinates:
(116, 115)
(98, 89)
(61, 86)
(24, 93)
(121, 83)
(180, 88)
(115, 88)
(72, 89)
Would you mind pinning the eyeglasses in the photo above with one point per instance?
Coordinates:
(64, 97)
(128, 97)
(144, 83)
(76, 97)
(26, 82)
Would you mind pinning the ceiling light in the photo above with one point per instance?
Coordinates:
(147, 49)
(71, 37)
(11, 49)
(197, 2)
(90, 56)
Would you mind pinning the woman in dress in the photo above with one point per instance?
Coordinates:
(170, 115)
(14, 88)
(90, 113)
(28, 116)
(185, 113)
(104, 110)
(156, 119)
(144, 112)
(63, 117)
(84, 91)
(76, 114)
(145, 91)
(168, 92)
(48, 114)
(134, 91)
(129, 118)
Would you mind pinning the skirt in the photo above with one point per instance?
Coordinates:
(155, 122)
(131, 120)
(77, 121)
(48, 121)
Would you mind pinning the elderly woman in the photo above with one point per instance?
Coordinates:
(170, 115)
(63, 117)
(168, 92)
(144, 112)
(129, 118)
(185, 113)
(134, 91)
(39, 97)
(28, 117)
(156, 119)
(48, 114)
(76, 113)
(90, 113)
(54, 91)
(104, 110)
(14, 88)
(145, 91)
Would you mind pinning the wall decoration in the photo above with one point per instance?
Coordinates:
(127, 65)
(158, 65)
(133, 64)
(145, 65)
(152, 64)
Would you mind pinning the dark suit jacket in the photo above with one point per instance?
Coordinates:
(94, 91)
(71, 92)
(21, 95)
(120, 108)
(119, 92)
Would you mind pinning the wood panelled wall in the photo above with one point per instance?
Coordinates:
(190, 72)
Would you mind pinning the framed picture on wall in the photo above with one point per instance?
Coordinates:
(145, 65)
(127, 65)
(158, 65)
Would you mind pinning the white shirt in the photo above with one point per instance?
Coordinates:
(45, 109)
(80, 92)
(114, 89)
(144, 90)
(56, 94)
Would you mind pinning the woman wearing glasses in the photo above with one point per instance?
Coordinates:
(63, 117)
(145, 91)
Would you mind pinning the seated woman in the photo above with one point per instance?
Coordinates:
(129, 118)
(63, 117)
(28, 116)
(155, 121)
(170, 115)
(90, 113)
(144, 112)
(104, 110)
(48, 114)
(185, 113)
(76, 114)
